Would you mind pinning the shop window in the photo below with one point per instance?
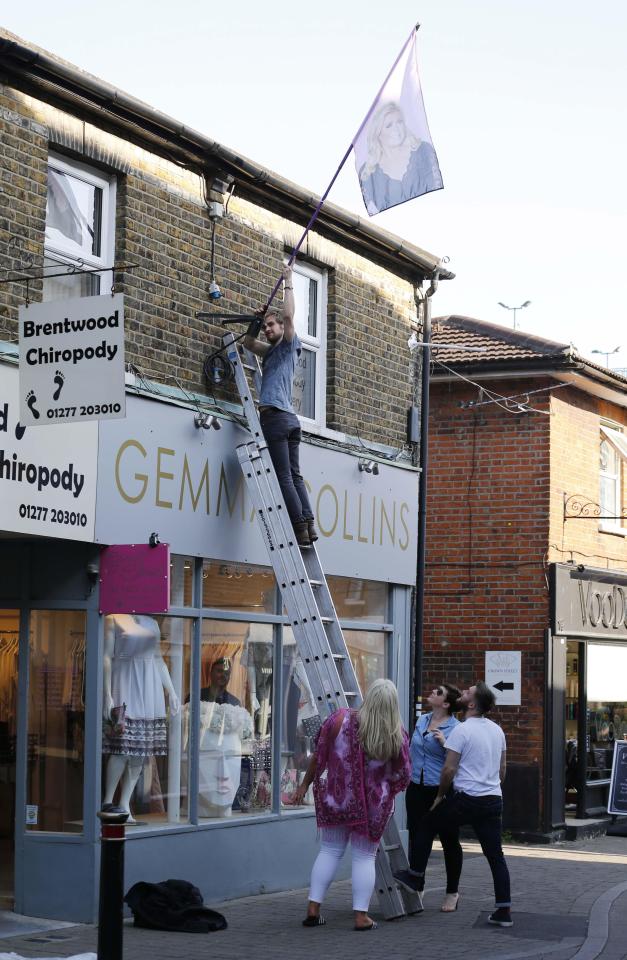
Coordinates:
(368, 651)
(613, 456)
(301, 721)
(146, 682)
(56, 722)
(235, 736)
(356, 599)
(238, 586)
(80, 229)
(308, 396)
(606, 706)
(181, 581)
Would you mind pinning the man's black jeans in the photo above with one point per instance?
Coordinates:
(484, 815)
(282, 433)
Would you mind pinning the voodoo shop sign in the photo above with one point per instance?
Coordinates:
(72, 360)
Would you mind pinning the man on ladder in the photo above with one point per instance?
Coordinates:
(279, 423)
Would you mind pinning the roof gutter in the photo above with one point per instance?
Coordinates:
(94, 97)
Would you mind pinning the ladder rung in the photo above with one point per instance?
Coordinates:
(350, 693)
(316, 583)
(327, 619)
(339, 656)
(395, 846)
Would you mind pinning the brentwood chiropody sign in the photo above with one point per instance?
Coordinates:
(72, 360)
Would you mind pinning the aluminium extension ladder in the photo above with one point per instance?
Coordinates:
(313, 618)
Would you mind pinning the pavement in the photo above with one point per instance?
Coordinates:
(569, 903)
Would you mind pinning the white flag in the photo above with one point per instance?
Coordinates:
(394, 154)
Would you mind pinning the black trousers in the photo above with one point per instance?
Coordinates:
(418, 801)
(484, 815)
(282, 434)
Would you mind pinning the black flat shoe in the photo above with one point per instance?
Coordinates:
(314, 922)
(371, 926)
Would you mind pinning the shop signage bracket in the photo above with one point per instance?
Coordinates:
(578, 507)
(313, 618)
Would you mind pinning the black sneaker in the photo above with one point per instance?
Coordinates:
(410, 881)
(501, 917)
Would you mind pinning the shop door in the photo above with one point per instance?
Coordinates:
(9, 645)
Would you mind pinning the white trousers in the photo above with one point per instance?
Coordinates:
(334, 843)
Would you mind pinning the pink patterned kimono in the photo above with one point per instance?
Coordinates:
(350, 789)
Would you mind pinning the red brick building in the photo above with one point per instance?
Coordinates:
(527, 551)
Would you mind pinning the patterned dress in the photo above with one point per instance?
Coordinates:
(351, 790)
(136, 682)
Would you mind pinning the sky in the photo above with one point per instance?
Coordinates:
(525, 101)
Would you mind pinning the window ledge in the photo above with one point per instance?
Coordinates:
(615, 531)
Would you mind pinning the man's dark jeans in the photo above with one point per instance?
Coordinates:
(484, 815)
(282, 433)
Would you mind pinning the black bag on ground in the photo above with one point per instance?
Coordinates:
(172, 905)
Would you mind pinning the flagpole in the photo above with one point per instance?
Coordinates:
(324, 196)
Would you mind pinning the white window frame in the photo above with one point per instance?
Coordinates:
(317, 345)
(108, 184)
(613, 434)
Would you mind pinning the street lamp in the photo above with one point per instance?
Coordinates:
(521, 307)
(607, 354)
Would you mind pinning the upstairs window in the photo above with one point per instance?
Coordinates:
(613, 456)
(310, 322)
(80, 229)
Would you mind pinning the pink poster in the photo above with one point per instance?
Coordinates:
(135, 578)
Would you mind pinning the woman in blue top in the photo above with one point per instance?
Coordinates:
(427, 759)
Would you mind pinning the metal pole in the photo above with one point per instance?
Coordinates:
(425, 301)
(111, 900)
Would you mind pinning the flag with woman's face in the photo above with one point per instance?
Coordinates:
(394, 154)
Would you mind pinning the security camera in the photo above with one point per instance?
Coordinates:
(92, 570)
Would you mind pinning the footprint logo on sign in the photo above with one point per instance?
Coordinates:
(31, 400)
(59, 380)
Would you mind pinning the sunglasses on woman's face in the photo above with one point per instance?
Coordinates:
(440, 691)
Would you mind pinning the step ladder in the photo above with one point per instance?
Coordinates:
(312, 616)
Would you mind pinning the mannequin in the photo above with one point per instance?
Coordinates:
(259, 661)
(134, 674)
(223, 727)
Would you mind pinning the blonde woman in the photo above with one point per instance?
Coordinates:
(361, 762)
(398, 166)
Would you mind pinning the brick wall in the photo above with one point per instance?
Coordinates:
(488, 526)
(575, 438)
(162, 226)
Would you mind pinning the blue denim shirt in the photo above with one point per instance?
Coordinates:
(427, 756)
(277, 381)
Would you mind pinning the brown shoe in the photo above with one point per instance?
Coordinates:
(301, 530)
(313, 533)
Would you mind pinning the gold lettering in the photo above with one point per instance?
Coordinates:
(404, 509)
(347, 536)
(161, 475)
(359, 536)
(204, 482)
(329, 532)
(138, 476)
(391, 529)
(239, 493)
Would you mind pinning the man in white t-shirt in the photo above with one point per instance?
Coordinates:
(470, 793)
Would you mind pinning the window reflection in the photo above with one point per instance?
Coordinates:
(56, 721)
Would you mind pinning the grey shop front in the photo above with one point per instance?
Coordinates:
(588, 678)
(211, 801)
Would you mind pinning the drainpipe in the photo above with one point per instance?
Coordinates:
(423, 304)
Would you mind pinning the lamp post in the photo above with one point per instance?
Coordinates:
(607, 354)
(521, 307)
